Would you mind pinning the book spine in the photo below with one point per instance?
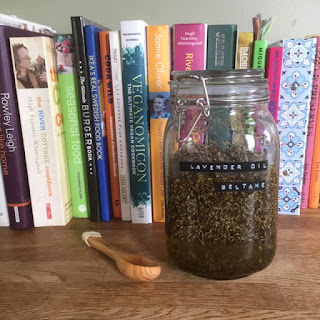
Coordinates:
(98, 110)
(133, 43)
(273, 74)
(295, 97)
(222, 41)
(159, 63)
(311, 129)
(189, 53)
(123, 160)
(13, 163)
(43, 137)
(313, 144)
(86, 116)
(110, 121)
(244, 50)
(71, 119)
(4, 217)
(259, 54)
(189, 46)
(63, 194)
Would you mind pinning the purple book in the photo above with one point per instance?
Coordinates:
(11, 145)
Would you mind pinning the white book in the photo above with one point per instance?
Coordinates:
(124, 176)
(4, 217)
(42, 129)
(14, 21)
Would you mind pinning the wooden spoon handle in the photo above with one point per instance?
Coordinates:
(104, 247)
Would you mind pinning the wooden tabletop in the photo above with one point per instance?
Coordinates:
(50, 273)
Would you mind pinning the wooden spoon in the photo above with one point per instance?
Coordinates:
(133, 266)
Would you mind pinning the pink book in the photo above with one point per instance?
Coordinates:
(189, 46)
(273, 74)
(190, 54)
(311, 128)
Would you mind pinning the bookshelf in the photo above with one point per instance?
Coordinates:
(49, 273)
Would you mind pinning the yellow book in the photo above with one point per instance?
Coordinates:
(244, 50)
(159, 63)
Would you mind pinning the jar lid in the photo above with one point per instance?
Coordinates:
(243, 85)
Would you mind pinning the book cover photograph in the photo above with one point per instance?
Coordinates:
(42, 129)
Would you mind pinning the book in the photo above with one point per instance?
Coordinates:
(134, 61)
(78, 23)
(259, 54)
(71, 119)
(189, 46)
(293, 117)
(4, 216)
(110, 122)
(99, 118)
(159, 66)
(244, 50)
(313, 144)
(222, 43)
(311, 131)
(13, 163)
(273, 74)
(120, 126)
(189, 54)
(42, 129)
(14, 21)
(261, 27)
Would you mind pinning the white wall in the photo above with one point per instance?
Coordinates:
(294, 18)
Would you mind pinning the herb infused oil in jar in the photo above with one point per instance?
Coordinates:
(221, 158)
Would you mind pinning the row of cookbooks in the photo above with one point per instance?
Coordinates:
(82, 116)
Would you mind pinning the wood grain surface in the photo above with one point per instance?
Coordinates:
(50, 273)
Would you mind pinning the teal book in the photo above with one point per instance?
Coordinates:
(222, 44)
(99, 119)
(134, 60)
(71, 119)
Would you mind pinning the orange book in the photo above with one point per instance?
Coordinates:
(110, 121)
(159, 62)
(314, 190)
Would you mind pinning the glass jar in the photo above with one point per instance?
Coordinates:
(221, 165)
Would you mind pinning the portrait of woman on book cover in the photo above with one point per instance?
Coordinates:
(29, 74)
(159, 107)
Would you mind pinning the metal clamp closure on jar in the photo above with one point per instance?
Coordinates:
(204, 104)
(221, 87)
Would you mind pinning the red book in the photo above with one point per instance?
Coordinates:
(189, 46)
(110, 121)
(273, 74)
(190, 54)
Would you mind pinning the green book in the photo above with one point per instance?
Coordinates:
(221, 51)
(71, 120)
(259, 54)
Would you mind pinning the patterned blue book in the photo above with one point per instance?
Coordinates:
(134, 60)
(293, 118)
(95, 75)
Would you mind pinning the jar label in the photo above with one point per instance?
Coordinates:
(249, 186)
(253, 166)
